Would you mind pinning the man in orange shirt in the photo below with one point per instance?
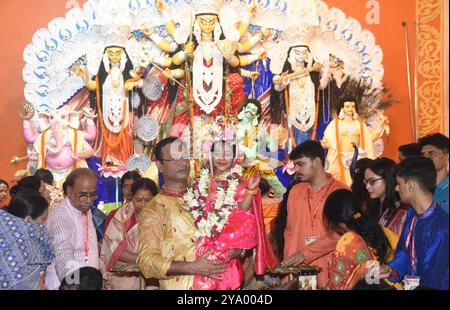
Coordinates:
(307, 241)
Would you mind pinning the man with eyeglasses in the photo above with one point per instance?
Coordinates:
(435, 147)
(71, 228)
(166, 227)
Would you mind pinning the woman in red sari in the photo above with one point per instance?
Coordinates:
(227, 213)
(362, 240)
(121, 241)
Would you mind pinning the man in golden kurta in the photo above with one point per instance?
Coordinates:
(166, 227)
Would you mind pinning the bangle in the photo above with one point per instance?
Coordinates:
(251, 192)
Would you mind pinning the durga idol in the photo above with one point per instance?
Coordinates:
(213, 52)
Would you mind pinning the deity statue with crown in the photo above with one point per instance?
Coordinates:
(209, 56)
(344, 133)
(355, 131)
(211, 47)
(112, 83)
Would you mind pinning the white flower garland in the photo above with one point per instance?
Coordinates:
(211, 223)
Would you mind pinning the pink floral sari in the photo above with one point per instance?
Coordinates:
(244, 230)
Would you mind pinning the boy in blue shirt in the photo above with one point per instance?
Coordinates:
(435, 147)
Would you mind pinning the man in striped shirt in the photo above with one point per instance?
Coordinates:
(71, 228)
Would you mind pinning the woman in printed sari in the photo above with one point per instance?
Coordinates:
(384, 204)
(31, 183)
(121, 242)
(25, 252)
(362, 240)
(30, 206)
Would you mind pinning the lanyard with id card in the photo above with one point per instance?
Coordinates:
(411, 281)
(86, 238)
(313, 212)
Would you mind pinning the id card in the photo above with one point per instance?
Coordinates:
(411, 282)
(310, 239)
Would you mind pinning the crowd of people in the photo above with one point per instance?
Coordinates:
(223, 231)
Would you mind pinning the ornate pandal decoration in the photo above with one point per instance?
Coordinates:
(26, 111)
(430, 65)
